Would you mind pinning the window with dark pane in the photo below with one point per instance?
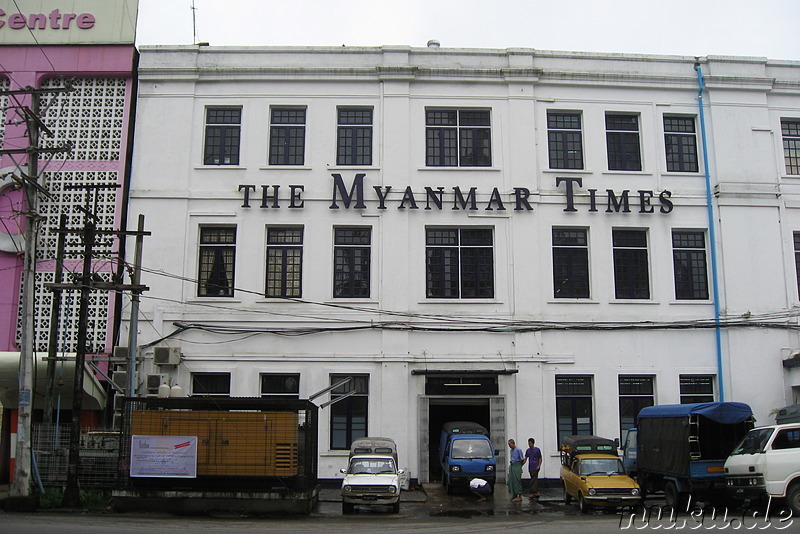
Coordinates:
(283, 384)
(287, 136)
(211, 384)
(459, 263)
(696, 388)
(216, 262)
(564, 140)
(680, 140)
(354, 136)
(351, 257)
(790, 131)
(349, 415)
(223, 126)
(797, 260)
(570, 263)
(635, 392)
(573, 406)
(458, 138)
(631, 270)
(689, 260)
(284, 261)
(622, 142)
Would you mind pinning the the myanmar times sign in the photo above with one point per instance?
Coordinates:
(72, 22)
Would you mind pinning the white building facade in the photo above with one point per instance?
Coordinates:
(519, 238)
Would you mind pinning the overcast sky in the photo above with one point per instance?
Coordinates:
(766, 28)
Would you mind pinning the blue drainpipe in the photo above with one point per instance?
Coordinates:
(711, 235)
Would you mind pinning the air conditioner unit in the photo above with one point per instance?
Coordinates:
(120, 378)
(120, 353)
(153, 381)
(119, 403)
(167, 355)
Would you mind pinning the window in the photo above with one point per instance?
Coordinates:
(458, 138)
(787, 438)
(354, 136)
(574, 405)
(622, 142)
(351, 262)
(286, 385)
(797, 260)
(689, 258)
(635, 393)
(680, 142)
(217, 255)
(564, 140)
(211, 384)
(349, 415)
(631, 275)
(570, 263)
(696, 388)
(287, 136)
(284, 261)
(459, 263)
(790, 129)
(222, 136)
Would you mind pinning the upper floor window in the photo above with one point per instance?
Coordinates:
(696, 388)
(284, 261)
(351, 262)
(622, 142)
(459, 263)
(287, 136)
(354, 136)
(790, 129)
(680, 140)
(458, 138)
(689, 259)
(570, 263)
(211, 384)
(564, 140)
(283, 384)
(631, 271)
(223, 127)
(217, 257)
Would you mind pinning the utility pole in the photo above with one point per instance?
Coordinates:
(22, 469)
(55, 313)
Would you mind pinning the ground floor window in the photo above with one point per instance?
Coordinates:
(284, 384)
(211, 384)
(574, 405)
(349, 415)
(635, 393)
(697, 388)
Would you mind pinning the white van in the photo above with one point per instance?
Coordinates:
(766, 463)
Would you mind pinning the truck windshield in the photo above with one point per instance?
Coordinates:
(472, 448)
(753, 442)
(362, 466)
(601, 466)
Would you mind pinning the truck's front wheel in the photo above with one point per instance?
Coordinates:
(673, 497)
(793, 498)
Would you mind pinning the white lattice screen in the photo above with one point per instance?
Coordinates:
(92, 118)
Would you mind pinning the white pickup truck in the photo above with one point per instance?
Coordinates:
(372, 476)
(766, 464)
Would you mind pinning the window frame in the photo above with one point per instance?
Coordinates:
(282, 273)
(295, 394)
(580, 402)
(697, 278)
(623, 140)
(691, 393)
(790, 137)
(347, 255)
(287, 139)
(217, 252)
(350, 407)
(217, 375)
(219, 147)
(574, 254)
(353, 136)
(631, 401)
(446, 264)
(680, 146)
(463, 136)
(631, 265)
(563, 139)
(796, 240)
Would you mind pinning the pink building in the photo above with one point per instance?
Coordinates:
(88, 47)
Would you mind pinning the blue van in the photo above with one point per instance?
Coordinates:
(465, 452)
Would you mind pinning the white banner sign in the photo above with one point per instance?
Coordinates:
(164, 456)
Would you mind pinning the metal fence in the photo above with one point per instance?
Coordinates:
(98, 455)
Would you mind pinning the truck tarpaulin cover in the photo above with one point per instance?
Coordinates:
(664, 433)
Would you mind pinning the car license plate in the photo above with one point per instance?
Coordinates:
(370, 497)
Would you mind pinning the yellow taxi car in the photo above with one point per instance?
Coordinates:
(593, 475)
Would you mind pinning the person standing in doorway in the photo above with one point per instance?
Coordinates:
(515, 472)
(534, 458)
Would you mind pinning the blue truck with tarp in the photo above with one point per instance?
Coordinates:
(681, 449)
(466, 452)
